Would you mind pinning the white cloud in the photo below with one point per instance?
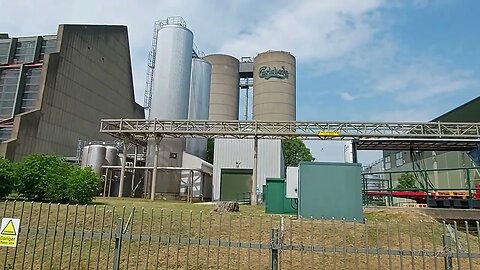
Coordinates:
(346, 96)
(310, 30)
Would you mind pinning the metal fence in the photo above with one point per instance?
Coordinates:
(106, 237)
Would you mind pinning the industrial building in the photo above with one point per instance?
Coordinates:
(415, 160)
(200, 87)
(55, 89)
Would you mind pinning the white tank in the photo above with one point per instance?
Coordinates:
(199, 100)
(96, 158)
(171, 83)
(111, 155)
(170, 95)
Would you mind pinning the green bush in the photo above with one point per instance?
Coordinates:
(83, 185)
(50, 178)
(34, 174)
(6, 177)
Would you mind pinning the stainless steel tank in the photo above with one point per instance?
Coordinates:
(171, 84)
(83, 162)
(224, 90)
(96, 158)
(274, 86)
(111, 156)
(198, 107)
(170, 95)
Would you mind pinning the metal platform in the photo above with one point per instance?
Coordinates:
(369, 135)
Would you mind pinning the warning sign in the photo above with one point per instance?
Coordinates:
(9, 232)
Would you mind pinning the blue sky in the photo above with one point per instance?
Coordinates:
(368, 60)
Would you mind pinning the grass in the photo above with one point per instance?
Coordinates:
(385, 229)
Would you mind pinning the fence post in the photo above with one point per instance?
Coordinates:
(274, 245)
(118, 244)
(447, 249)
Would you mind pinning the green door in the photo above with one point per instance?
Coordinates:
(275, 197)
(235, 185)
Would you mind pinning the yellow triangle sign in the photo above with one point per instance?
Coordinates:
(9, 229)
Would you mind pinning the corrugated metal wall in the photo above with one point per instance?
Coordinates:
(238, 153)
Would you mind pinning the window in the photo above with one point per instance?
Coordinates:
(24, 51)
(48, 46)
(30, 92)
(399, 159)
(5, 133)
(8, 89)
(387, 163)
(4, 50)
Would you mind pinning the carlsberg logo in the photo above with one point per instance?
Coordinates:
(268, 72)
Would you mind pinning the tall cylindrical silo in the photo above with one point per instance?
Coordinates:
(170, 94)
(171, 83)
(224, 90)
(198, 107)
(274, 84)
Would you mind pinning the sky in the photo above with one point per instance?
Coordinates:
(368, 60)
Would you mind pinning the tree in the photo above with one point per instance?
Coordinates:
(210, 147)
(6, 177)
(407, 181)
(295, 151)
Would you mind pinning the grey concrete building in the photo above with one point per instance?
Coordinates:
(55, 89)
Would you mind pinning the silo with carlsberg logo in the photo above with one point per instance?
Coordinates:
(274, 86)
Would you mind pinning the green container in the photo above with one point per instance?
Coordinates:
(274, 197)
(330, 190)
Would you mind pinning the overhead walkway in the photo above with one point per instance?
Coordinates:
(368, 135)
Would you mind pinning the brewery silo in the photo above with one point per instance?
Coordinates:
(199, 99)
(173, 61)
(274, 86)
(224, 90)
(170, 94)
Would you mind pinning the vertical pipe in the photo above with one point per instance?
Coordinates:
(354, 151)
(122, 171)
(154, 174)
(255, 171)
(105, 183)
(469, 185)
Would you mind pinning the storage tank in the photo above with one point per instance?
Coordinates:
(170, 94)
(224, 90)
(96, 158)
(198, 107)
(171, 84)
(83, 162)
(274, 84)
(111, 155)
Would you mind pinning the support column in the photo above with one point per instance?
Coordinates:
(154, 173)
(255, 168)
(134, 171)
(122, 171)
(354, 151)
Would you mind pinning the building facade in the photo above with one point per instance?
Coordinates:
(394, 161)
(55, 89)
